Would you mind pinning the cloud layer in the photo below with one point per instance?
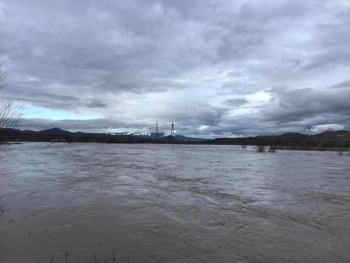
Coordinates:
(214, 68)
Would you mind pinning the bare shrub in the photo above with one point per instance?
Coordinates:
(272, 149)
(9, 115)
(308, 130)
(109, 138)
(260, 148)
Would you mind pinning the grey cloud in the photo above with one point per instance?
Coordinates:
(236, 102)
(343, 84)
(328, 58)
(297, 8)
(333, 39)
(293, 62)
(299, 104)
(75, 55)
(96, 104)
(234, 88)
(234, 47)
(194, 114)
(40, 98)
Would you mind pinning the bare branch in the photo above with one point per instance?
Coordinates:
(3, 75)
(9, 116)
(53, 257)
(308, 130)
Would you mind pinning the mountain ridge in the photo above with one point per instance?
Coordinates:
(59, 132)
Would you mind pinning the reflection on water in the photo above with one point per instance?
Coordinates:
(172, 203)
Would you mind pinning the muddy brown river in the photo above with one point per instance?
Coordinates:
(172, 203)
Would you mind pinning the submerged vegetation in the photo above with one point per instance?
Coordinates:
(260, 148)
(272, 149)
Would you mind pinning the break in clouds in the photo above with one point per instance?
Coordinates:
(214, 68)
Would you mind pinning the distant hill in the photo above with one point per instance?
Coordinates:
(53, 131)
(292, 135)
(59, 132)
(56, 134)
(288, 135)
(339, 132)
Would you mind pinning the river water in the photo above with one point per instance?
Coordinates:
(172, 203)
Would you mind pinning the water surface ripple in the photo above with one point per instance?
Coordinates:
(172, 203)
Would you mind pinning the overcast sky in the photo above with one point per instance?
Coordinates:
(214, 68)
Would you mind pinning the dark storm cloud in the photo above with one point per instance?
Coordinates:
(123, 59)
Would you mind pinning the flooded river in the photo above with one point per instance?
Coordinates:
(172, 203)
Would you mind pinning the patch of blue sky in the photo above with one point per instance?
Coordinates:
(45, 113)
